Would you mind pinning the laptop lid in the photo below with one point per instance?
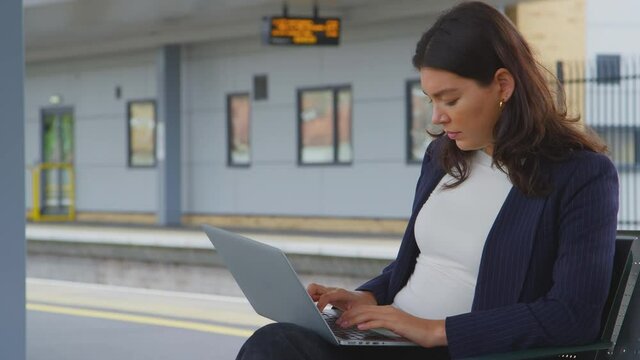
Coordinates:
(271, 285)
(267, 279)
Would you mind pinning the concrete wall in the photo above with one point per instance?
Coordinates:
(375, 61)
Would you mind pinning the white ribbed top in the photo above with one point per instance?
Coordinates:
(450, 230)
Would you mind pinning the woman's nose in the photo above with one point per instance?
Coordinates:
(438, 117)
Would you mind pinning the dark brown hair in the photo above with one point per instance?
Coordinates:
(474, 40)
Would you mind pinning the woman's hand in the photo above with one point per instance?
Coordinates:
(340, 298)
(424, 332)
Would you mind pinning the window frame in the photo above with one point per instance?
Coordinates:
(229, 97)
(155, 133)
(335, 89)
(603, 64)
(409, 83)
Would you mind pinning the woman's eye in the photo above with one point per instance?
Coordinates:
(451, 103)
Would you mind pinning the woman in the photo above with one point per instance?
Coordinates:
(514, 247)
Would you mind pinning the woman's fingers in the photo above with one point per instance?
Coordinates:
(316, 290)
(330, 297)
(373, 324)
(363, 314)
(318, 293)
(337, 297)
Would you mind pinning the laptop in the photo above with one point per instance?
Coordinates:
(272, 287)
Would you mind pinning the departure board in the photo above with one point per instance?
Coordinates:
(301, 31)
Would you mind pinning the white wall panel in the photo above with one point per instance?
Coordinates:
(115, 189)
(280, 190)
(101, 141)
(210, 191)
(274, 134)
(207, 140)
(380, 189)
(379, 129)
(39, 88)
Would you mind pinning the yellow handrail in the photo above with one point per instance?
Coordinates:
(68, 189)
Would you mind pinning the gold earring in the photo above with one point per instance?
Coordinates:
(501, 104)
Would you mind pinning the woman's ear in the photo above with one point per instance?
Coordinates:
(506, 82)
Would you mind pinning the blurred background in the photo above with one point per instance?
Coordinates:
(146, 118)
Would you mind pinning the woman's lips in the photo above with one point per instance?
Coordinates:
(453, 134)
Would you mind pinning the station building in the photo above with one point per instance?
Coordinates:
(179, 112)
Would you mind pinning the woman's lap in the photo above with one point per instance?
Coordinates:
(282, 341)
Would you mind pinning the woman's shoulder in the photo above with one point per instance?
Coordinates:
(583, 166)
(578, 159)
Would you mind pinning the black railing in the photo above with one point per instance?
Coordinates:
(604, 93)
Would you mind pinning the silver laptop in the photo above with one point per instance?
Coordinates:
(272, 287)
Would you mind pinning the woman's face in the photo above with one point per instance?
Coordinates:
(466, 111)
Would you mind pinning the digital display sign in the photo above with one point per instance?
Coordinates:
(301, 31)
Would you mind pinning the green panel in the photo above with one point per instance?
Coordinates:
(50, 139)
(66, 135)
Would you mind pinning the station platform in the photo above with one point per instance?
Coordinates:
(318, 244)
(183, 259)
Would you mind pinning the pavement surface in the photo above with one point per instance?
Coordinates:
(74, 321)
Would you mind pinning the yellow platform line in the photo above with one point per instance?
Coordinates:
(138, 319)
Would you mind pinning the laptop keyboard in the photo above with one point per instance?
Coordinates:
(353, 333)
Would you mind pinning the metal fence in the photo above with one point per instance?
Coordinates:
(604, 93)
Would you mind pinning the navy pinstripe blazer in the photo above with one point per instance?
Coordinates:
(546, 265)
